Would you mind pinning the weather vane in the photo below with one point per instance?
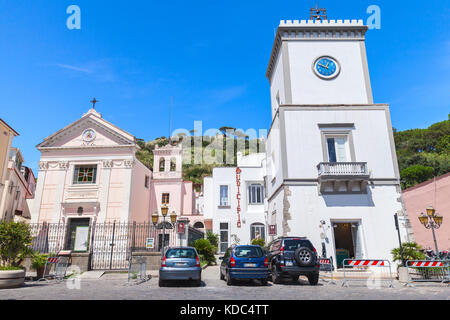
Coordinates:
(317, 13)
(94, 102)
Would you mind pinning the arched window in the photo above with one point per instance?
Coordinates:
(199, 225)
(162, 165)
(173, 164)
(257, 230)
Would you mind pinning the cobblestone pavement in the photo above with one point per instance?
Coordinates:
(114, 286)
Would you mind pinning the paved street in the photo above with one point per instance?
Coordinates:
(114, 286)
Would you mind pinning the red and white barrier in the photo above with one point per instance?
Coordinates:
(425, 264)
(362, 263)
(374, 276)
(52, 260)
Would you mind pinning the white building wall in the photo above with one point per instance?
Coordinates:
(371, 139)
(349, 87)
(374, 211)
(249, 214)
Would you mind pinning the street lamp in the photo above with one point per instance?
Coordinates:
(432, 220)
(173, 220)
(173, 217)
(155, 218)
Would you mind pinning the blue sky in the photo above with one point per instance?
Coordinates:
(210, 56)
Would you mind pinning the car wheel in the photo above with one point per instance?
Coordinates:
(275, 276)
(161, 283)
(313, 279)
(295, 278)
(264, 282)
(229, 279)
(305, 257)
(221, 276)
(198, 282)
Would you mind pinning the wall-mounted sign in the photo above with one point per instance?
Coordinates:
(150, 243)
(180, 227)
(81, 239)
(238, 195)
(272, 230)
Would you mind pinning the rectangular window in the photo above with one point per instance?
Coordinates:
(147, 182)
(85, 174)
(255, 194)
(165, 198)
(223, 196)
(337, 150)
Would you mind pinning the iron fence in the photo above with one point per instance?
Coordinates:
(110, 244)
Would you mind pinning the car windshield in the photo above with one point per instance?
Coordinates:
(181, 253)
(248, 252)
(294, 244)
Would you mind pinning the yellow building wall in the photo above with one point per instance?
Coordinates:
(5, 134)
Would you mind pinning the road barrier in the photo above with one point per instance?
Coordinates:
(326, 266)
(428, 271)
(356, 266)
(49, 265)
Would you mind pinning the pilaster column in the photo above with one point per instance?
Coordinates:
(62, 168)
(35, 213)
(106, 178)
(127, 185)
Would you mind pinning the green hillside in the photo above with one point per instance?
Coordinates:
(423, 153)
(210, 147)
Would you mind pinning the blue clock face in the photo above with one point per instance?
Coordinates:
(326, 67)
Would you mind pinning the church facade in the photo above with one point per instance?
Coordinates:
(89, 171)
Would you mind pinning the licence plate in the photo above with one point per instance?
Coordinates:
(180, 264)
(289, 263)
(250, 265)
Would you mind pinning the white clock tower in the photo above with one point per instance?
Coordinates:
(331, 162)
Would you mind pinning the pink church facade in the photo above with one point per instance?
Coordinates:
(89, 171)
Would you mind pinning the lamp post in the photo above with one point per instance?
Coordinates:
(432, 220)
(155, 218)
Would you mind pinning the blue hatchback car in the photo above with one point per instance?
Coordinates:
(244, 262)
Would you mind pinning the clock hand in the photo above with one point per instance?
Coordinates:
(326, 67)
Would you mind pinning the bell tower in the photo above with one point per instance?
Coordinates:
(167, 162)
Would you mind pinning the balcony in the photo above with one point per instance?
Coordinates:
(343, 177)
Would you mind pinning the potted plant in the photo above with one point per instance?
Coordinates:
(15, 241)
(411, 251)
(38, 261)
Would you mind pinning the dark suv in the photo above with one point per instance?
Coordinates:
(293, 257)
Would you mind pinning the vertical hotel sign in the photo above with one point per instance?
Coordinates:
(238, 195)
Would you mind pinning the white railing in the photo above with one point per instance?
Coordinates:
(343, 169)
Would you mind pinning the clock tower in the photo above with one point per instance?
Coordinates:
(332, 170)
(319, 62)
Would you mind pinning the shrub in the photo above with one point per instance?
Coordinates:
(15, 240)
(411, 251)
(212, 238)
(205, 249)
(38, 260)
(259, 242)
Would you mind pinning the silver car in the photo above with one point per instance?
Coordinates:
(180, 263)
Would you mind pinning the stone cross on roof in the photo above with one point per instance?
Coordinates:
(94, 101)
